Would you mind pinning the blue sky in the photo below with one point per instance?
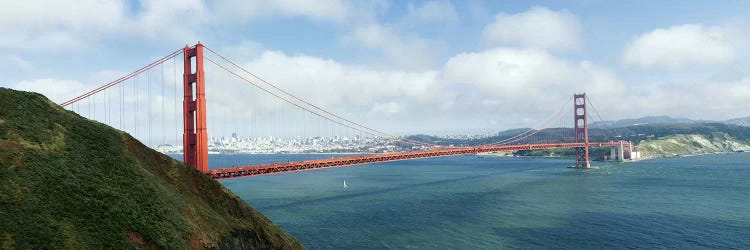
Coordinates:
(437, 66)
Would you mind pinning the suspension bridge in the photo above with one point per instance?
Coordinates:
(155, 106)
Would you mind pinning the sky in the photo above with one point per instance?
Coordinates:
(437, 67)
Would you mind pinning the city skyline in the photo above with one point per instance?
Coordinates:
(237, 144)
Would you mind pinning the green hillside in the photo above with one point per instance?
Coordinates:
(69, 182)
(675, 145)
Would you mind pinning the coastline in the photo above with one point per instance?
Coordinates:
(628, 160)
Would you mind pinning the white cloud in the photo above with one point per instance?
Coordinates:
(680, 46)
(244, 10)
(480, 91)
(244, 50)
(401, 51)
(433, 12)
(385, 108)
(322, 9)
(538, 27)
(509, 79)
(190, 20)
(708, 100)
(178, 20)
(66, 24)
(16, 62)
(514, 85)
(56, 24)
(506, 71)
(360, 93)
(316, 78)
(469, 91)
(57, 90)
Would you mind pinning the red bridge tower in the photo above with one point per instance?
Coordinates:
(581, 130)
(195, 137)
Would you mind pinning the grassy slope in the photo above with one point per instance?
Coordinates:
(69, 182)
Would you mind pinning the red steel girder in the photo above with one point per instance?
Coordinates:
(366, 159)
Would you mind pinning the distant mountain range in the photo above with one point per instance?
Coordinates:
(644, 128)
(744, 121)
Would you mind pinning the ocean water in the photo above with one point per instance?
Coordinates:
(468, 202)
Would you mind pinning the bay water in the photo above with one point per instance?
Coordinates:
(473, 202)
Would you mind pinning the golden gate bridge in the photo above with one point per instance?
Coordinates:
(123, 103)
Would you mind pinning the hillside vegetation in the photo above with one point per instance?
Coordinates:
(69, 182)
(676, 145)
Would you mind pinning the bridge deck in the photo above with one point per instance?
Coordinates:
(365, 159)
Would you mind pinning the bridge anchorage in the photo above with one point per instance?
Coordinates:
(197, 90)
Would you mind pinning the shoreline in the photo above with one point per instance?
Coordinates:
(481, 155)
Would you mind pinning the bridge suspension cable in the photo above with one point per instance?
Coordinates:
(141, 122)
(310, 107)
(281, 97)
(534, 130)
(123, 78)
(351, 124)
(607, 130)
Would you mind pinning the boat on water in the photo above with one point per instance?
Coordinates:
(345, 184)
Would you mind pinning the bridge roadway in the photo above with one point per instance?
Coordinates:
(276, 168)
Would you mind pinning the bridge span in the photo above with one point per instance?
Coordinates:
(277, 168)
(288, 115)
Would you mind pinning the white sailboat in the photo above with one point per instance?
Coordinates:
(345, 184)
